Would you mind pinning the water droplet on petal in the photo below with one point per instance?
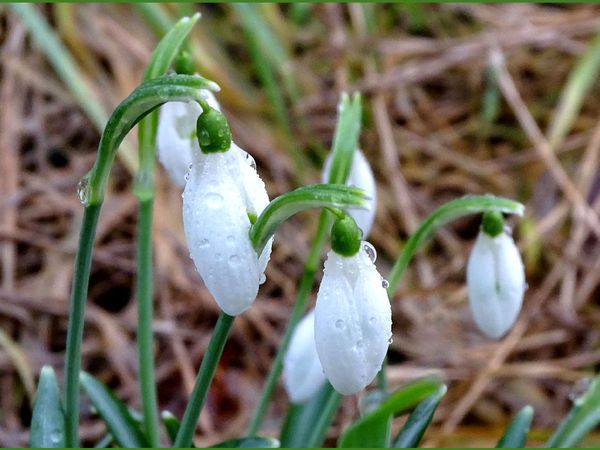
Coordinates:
(373, 320)
(83, 190)
(385, 283)
(339, 324)
(359, 344)
(370, 251)
(213, 200)
(250, 160)
(262, 278)
(390, 340)
(234, 260)
(204, 243)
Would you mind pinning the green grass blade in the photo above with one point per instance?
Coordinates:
(48, 420)
(583, 417)
(248, 442)
(123, 427)
(581, 79)
(515, 435)
(412, 432)
(372, 429)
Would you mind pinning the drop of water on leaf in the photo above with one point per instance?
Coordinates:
(339, 324)
(56, 437)
(83, 190)
(370, 251)
(204, 138)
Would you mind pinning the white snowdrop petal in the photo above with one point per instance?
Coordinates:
(216, 226)
(361, 176)
(176, 135)
(496, 283)
(176, 138)
(352, 322)
(302, 372)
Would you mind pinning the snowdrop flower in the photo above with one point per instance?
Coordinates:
(495, 278)
(302, 371)
(176, 135)
(360, 176)
(222, 197)
(353, 318)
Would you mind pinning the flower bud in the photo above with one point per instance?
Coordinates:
(496, 283)
(353, 320)
(176, 135)
(361, 176)
(222, 194)
(302, 372)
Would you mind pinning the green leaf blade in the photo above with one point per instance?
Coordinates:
(412, 432)
(516, 432)
(123, 427)
(249, 442)
(48, 420)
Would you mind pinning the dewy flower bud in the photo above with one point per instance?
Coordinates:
(496, 283)
(222, 194)
(302, 371)
(176, 135)
(361, 176)
(353, 320)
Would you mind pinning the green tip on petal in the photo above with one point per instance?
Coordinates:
(212, 129)
(492, 223)
(345, 236)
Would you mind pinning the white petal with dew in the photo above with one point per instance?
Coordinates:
(496, 283)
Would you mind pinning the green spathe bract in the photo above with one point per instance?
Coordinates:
(212, 130)
(345, 236)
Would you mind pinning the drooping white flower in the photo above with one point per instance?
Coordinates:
(176, 135)
(353, 321)
(361, 176)
(496, 283)
(302, 371)
(222, 192)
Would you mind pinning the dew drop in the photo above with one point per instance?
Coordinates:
(390, 340)
(385, 283)
(204, 138)
(56, 437)
(230, 240)
(204, 243)
(213, 200)
(234, 260)
(262, 278)
(83, 190)
(373, 320)
(370, 251)
(359, 344)
(190, 165)
(339, 324)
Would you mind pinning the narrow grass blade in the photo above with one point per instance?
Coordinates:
(48, 420)
(412, 432)
(371, 430)
(248, 442)
(583, 417)
(123, 427)
(515, 435)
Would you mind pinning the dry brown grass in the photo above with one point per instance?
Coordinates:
(423, 88)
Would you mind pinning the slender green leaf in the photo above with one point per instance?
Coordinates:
(172, 425)
(372, 430)
(583, 417)
(249, 442)
(105, 442)
(124, 428)
(346, 136)
(48, 420)
(412, 432)
(516, 432)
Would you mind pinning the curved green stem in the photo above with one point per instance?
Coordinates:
(205, 376)
(330, 407)
(470, 204)
(306, 197)
(81, 277)
(144, 187)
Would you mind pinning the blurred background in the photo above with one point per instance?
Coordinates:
(457, 99)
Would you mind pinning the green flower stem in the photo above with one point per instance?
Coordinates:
(470, 204)
(81, 276)
(304, 290)
(145, 336)
(205, 376)
(306, 197)
(162, 57)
